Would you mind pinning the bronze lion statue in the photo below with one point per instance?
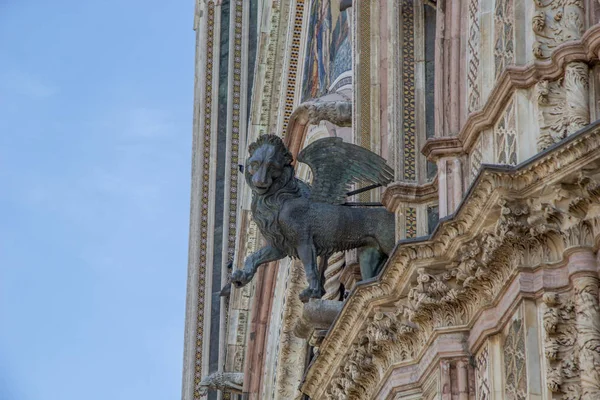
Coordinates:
(306, 221)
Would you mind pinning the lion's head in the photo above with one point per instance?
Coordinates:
(268, 164)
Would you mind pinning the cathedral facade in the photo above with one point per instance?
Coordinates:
(487, 111)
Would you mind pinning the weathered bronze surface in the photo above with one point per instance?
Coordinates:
(305, 221)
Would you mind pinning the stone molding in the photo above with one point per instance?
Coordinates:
(406, 192)
(537, 212)
(439, 147)
(585, 50)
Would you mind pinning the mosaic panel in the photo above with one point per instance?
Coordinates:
(504, 46)
(364, 78)
(514, 362)
(208, 89)
(505, 136)
(473, 50)
(411, 222)
(235, 125)
(293, 64)
(408, 77)
(328, 50)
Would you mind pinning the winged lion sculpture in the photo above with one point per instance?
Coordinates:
(306, 221)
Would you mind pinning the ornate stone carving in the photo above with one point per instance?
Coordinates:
(560, 347)
(408, 92)
(576, 96)
(447, 280)
(473, 50)
(482, 378)
(336, 112)
(388, 337)
(505, 134)
(335, 266)
(588, 335)
(563, 105)
(504, 50)
(514, 362)
(476, 158)
(555, 22)
(231, 382)
(291, 348)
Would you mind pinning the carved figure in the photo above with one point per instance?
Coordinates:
(225, 381)
(305, 221)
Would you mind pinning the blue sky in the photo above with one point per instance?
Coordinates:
(95, 147)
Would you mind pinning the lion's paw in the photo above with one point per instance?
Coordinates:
(310, 293)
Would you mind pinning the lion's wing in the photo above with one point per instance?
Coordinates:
(336, 165)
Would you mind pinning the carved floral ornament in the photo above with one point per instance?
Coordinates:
(535, 213)
(555, 22)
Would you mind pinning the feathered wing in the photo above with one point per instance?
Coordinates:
(337, 165)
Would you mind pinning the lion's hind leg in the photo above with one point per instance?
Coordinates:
(308, 255)
(371, 260)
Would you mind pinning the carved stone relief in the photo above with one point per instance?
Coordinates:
(555, 22)
(476, 158)
(446, 281)
(587, 314)
(515, 375)
(505, 135)
(332, 285)
(560, 346)
(473, 56)
(504, 45)
(291, 348)
(563, 106)
(482, 379)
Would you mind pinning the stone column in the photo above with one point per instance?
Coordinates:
(583, 272)
(463, 381)
(333, 272)
(446, 382)
(450, 184)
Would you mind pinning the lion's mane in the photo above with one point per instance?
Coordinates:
(266, 207)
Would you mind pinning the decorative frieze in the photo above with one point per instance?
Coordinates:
(408, 95)
(411, 222)
(206, 146)
(293, 73)
(555, 22)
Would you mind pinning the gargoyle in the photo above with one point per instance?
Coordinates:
(230, 382)
(306, 221)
